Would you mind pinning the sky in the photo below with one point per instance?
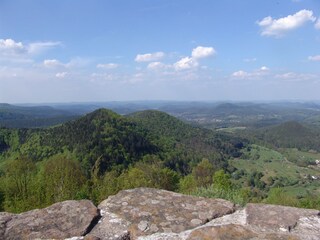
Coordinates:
(185, 50)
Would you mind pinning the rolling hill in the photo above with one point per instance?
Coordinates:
(290, 134)
(104, 139)
(13, 116)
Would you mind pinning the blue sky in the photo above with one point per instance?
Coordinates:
(114, 50)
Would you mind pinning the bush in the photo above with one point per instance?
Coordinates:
(233, 195)
(279, 197)
(187, 184)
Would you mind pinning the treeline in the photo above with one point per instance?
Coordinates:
(26, 185)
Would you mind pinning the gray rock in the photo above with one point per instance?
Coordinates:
(145, 211)
(60, 220)
(256, 221)
(276, 218)
(151, 214)
(4, 219)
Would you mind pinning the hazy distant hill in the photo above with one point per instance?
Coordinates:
(13, 116)
(206, 114)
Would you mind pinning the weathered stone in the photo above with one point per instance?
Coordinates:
(234, 232)
(4, 219)
(238, 226)
(60, 220)
(150, 214)
(148, 211)
(277, 218)
(90, 237)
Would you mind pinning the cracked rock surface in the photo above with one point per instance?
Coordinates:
(145, 211)
(153, 214)
(59, 221)
(255, 222)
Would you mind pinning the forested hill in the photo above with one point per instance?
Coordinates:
(104, 140)
(103, 152)
(165, 129)
(290, 135)
(162, 124)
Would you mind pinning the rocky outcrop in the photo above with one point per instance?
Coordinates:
(255, 221)
(145, 211)
(151, 214)
(59, 221)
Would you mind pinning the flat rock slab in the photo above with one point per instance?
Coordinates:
(145, 211)
(275, 218)
(59, 221)
(255, 221)
(235, 232)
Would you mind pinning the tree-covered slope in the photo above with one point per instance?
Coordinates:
(104, 139)
(290, 135)
(162, 124)
(165, 129)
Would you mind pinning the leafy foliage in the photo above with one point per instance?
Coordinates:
(101, 153)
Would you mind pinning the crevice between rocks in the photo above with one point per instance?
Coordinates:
(93, 223)
(215, 217)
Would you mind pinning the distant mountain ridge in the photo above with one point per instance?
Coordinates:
(30, 117)
(208, 114)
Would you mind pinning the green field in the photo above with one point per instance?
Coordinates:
(274, 164)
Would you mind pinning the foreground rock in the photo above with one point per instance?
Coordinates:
(144, 211)
(59, 221)
(151, 214)
(255, 222)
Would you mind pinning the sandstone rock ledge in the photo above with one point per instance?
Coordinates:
(59, 221)
(148, 214)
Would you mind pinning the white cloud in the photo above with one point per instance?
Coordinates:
(52, 63)
(278, 27)
(73, 63)
(256, 74)
(186, 63)
(8, 47)
(240, 74)
(61, 74)
(108, 65)
(10, 44)
(317, 24)
(149, 57)
(12, 49)
(193, 61)
(157, 66)
(315, 58)
(202, 52)
(39, 47)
